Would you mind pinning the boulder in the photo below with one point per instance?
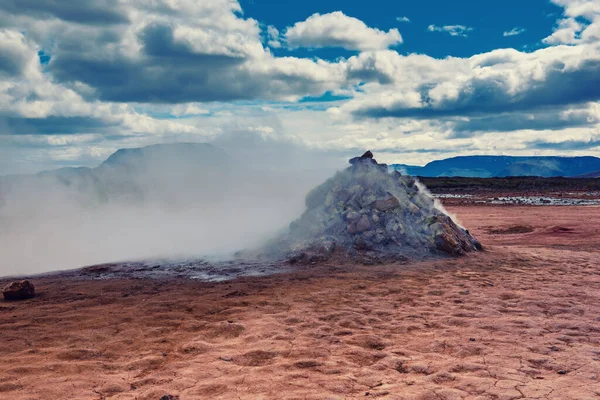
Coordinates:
(18, 290)
(386, 204)
(450, 238)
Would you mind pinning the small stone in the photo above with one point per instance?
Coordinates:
(169, 397)
(352, 216)
(363, 224)
(464, 292)
(226, 358)
(19, 290)
(369, 236)
(361, 244)
(379, 238)
(351, 228)
(473, 339)
(562, 372)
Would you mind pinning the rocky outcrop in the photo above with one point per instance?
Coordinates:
(19, 290)
(366, 212)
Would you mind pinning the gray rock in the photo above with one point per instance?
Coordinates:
(369, 236)
(363, 224)
(386, 204)
(352, 216)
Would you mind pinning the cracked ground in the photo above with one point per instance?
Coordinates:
(520, 321)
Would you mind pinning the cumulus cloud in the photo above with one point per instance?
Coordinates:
(550, 120)
(580, 23)
(402, 19)
(452, 30)
(566, 145)
(184, 110)
(168, 52)
(514, 32)
(339, 30)
(16, 57)
(273, 37)
(500, 81)
(127, 74)
(82, 11)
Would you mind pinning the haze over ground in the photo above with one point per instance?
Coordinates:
(168, 202)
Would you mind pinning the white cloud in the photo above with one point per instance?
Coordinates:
(452, 30)
(184, 110)
(567, 32)
(161, 44)
(273, 37)
(504, 80)
(339, 30)
(402, 19)
(571, 29)
(514, 32)
(118, 80)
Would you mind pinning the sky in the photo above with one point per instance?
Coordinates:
(413, 81)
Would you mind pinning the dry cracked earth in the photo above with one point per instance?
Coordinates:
(520, 321)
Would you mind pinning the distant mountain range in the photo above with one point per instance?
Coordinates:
(172, 172)
(503, 166)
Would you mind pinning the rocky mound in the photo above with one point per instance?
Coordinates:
(365, 212)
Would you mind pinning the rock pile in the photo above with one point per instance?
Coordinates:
(19, 290)
(367, 213)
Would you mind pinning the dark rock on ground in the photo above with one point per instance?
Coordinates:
(18, 290)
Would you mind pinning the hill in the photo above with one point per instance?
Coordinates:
(594, 174)
(503, 166)
(163, 174)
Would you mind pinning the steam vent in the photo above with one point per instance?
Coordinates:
(371, 215)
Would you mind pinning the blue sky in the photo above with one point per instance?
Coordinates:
(413, 81)
(488, 19)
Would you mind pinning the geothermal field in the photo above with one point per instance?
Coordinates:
(373, 292)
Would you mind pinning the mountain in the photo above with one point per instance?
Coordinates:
(594, 174)
(165, 174)
(503, 166)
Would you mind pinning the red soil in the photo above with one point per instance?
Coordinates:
(521, 320)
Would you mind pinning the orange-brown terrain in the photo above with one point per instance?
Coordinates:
(520, 321)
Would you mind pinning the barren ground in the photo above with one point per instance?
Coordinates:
(519, 321)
